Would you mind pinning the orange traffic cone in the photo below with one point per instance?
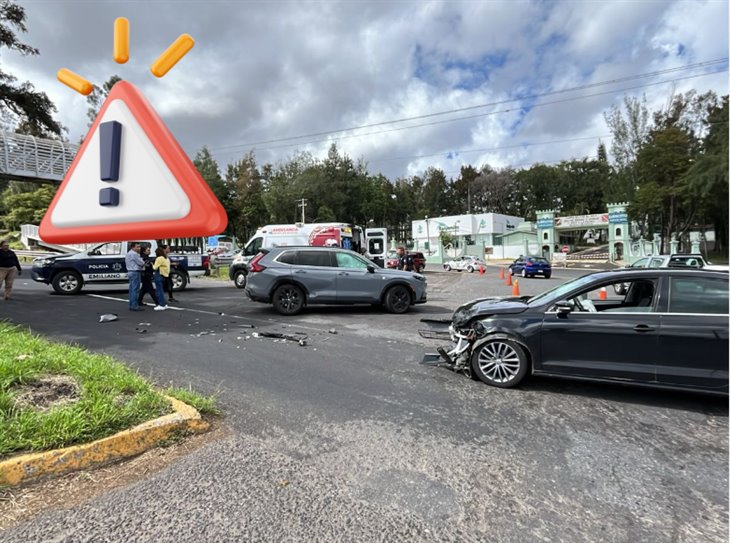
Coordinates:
(516, 288)
(508, 282)
(602, 294)
(481, 270)
(501, 273)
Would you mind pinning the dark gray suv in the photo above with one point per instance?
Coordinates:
(292, 277)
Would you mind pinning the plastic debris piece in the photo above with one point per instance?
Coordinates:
(332, 331)
(108, 317)
(302, 342)
(246, 326)
(141, 330)
(145, 324)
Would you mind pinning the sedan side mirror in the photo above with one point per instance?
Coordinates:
(371, 268)
(563, 308)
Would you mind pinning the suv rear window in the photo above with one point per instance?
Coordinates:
(314, 258)
(289, 257)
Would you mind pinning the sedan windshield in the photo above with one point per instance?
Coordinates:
(556, 293)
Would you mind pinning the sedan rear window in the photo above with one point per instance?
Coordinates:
(698, 295)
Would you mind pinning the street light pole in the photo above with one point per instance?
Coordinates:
(428, 237)
(302, 203)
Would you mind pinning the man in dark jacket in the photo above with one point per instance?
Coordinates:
(405, 261)
(8, 265)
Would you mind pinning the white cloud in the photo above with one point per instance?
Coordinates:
(269, 70)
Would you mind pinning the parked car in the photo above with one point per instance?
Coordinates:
(291, 278)
(530, 266)
(419, 260)
(464, 263)
(669, 330)
(696, 261)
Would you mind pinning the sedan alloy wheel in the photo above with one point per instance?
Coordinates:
(500, 363)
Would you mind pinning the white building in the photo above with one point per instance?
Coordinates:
(472, 233)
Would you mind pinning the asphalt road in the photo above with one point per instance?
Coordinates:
(350, 439)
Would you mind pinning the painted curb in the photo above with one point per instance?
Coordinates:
(124, 444)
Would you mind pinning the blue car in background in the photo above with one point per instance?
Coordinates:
(530, 266)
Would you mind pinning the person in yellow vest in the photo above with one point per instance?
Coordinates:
(161, 268)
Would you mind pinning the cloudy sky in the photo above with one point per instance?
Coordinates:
(404, 85)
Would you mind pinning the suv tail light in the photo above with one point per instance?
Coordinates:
(254, 265)
(206, 261)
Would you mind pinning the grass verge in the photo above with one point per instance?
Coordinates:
(97, 396)
(204, 404)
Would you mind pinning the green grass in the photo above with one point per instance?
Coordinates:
(111, 397)
(204, 404)
(219, 273)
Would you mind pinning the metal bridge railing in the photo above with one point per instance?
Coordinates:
(27, 157)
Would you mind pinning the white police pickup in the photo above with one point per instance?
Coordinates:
(104, 264)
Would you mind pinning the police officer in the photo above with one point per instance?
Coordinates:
(405, 261)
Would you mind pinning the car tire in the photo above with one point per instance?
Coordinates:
(511, 271)
(470, 269)
(619, 289)
(397, 299)
(524, 273)
(500, 362)
(447, 267)
(239, 279)
(288, 300)
(419, 269)
(179, 280)
(548, 275)
(67, 282)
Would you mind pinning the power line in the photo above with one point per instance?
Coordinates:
(501, 102)
(489, 113)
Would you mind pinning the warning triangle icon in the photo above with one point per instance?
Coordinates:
(131, 180)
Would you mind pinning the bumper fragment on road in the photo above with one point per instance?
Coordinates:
(124, 444)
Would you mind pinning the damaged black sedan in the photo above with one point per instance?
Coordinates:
(670, 329)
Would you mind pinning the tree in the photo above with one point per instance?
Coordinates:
(629, 128)
(97, 97)
(707, 178)
(248, 210)
(25, 207)
(20, 104)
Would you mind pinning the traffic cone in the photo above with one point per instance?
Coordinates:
(501, 273)
(508, 282)
(602, 294)
(481, 270)
(516, 288)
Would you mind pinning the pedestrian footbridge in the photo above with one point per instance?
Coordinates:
(26, 158)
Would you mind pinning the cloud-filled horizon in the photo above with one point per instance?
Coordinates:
(286, 76)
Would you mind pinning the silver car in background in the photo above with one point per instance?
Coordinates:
(291, 278)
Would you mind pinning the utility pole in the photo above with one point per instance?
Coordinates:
(302, 203)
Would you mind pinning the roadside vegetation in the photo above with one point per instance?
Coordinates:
(54, 395)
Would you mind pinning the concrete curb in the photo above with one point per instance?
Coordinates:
(124, 444)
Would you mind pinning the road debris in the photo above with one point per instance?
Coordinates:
(332, 331)
(108, 317)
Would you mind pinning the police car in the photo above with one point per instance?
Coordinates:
(104, 264)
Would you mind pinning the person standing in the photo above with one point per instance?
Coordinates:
(161, 268)
(147, 277)
(405, 261)
(8, 265)
(135, 265)
(168, 280)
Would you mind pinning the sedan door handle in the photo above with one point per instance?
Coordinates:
(343, 273)
(300, 271)
(643, 328)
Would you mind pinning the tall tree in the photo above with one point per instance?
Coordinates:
(20, 104)
(97, 97)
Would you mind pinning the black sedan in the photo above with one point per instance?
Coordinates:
(669, 330)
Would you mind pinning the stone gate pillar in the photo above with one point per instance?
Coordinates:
(619, 239)
(546, 232)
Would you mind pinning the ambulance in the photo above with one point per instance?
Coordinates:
(330, 234)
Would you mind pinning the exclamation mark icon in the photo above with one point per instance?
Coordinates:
(110, 138)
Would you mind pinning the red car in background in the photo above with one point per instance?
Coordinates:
(419, 261)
